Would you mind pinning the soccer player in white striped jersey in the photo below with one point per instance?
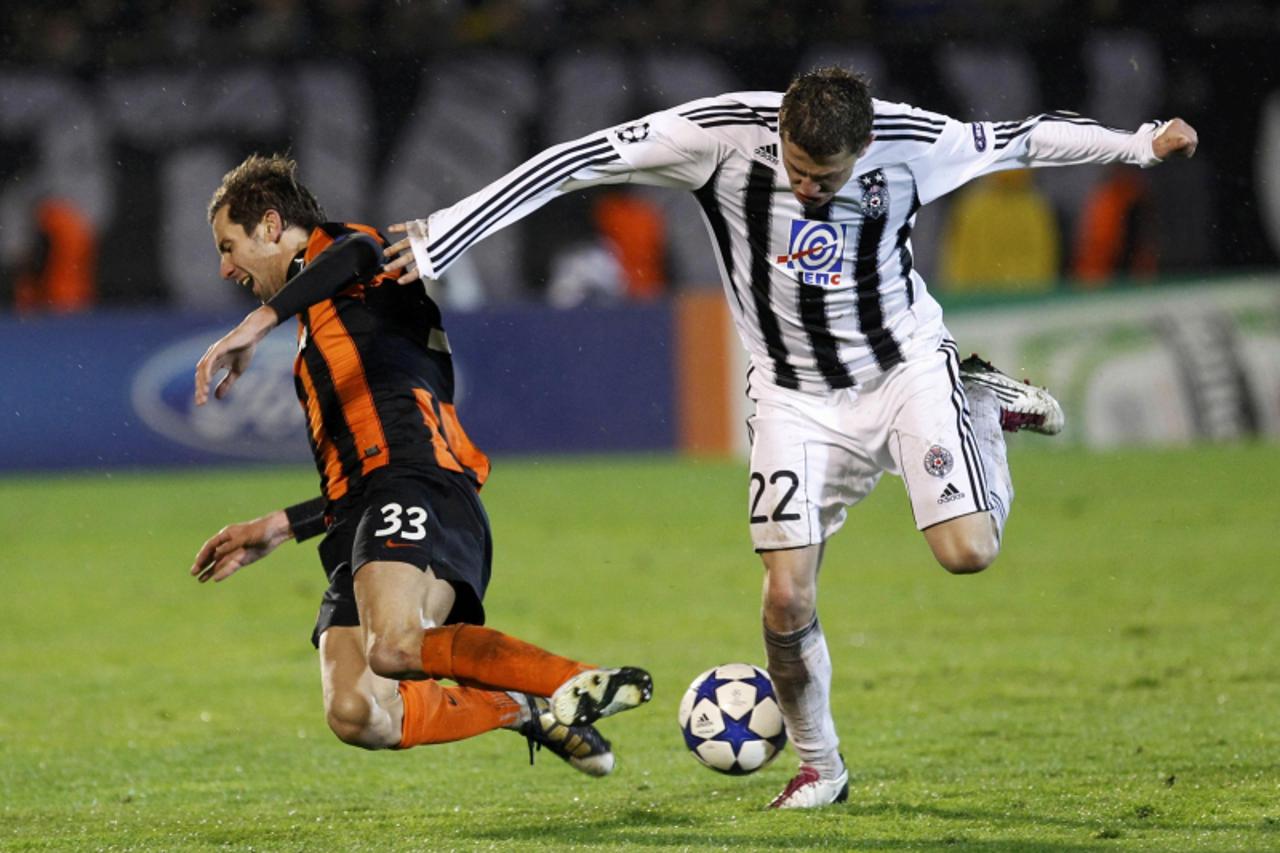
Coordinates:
(809, 199)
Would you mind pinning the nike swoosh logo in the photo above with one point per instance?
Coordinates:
(391, 543)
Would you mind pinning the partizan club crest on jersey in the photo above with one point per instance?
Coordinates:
(875, 194)
(815, 252)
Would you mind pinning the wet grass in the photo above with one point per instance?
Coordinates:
(1111, 683)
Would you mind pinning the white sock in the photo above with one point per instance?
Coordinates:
(801, 671)
(525, 714)
(984, 409)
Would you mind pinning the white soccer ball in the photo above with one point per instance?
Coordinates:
(730, 719)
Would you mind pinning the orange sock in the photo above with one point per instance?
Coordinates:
(434, 713)
(483, 657)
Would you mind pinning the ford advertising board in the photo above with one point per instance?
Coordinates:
(115, 389)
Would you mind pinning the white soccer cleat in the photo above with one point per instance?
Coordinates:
(597, 693)
(1022, 405)
(808, 790)
(584, 748)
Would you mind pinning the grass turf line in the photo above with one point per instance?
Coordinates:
(1111, 683)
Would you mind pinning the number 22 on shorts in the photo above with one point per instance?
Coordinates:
(409, 522)
(789, 484)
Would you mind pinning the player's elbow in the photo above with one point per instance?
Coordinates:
(365, 253)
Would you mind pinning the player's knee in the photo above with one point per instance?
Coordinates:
(395, 657)
(348, 714)
(788, 606)
(968, 555)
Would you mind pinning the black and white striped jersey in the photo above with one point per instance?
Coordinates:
(822, 298)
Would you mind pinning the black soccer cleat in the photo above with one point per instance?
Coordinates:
(584, 748)
(597, 693)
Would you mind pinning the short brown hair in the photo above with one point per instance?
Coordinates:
(260, 184)
(827, 111)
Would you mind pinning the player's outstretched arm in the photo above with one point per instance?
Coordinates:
(664, 149)
(338, 267)
(237, 545)
(233, 352)
(1178, 139)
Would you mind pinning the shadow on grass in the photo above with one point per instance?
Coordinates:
(829, 829)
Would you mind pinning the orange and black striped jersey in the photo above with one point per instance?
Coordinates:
(374, 376)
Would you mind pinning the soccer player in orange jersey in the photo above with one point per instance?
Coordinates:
(407, 546)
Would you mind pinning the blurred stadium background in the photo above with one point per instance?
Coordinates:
(1149, 298)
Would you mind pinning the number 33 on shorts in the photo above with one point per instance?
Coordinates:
(408, 522)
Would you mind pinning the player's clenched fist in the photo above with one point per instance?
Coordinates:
(1178, 139)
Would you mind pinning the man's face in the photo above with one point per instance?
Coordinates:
(816, 180)
(258, 261)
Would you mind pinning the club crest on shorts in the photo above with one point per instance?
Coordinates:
(815, 251)
(875, 194)
(938, 461)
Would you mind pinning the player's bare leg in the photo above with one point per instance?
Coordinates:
(397, 602)
(965, 545)
(401, 608)
(997, 404)
(361, 708)
(800, 667)
(367, 710)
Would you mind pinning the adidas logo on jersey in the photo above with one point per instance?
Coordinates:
(949, 494)
(768, 153)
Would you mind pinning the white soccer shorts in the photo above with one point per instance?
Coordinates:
(814, 455)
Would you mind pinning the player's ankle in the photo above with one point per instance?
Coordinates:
(525, 710)
(829, 766)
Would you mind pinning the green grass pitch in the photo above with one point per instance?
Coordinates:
(1112, 683)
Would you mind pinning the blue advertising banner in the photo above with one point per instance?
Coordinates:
(114, 389)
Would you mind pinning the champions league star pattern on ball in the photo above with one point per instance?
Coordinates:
(730, 719)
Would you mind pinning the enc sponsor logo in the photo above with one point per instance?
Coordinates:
(979, 136)
(633, 132)
(938, 461)
(815, 251)
(260, 419)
